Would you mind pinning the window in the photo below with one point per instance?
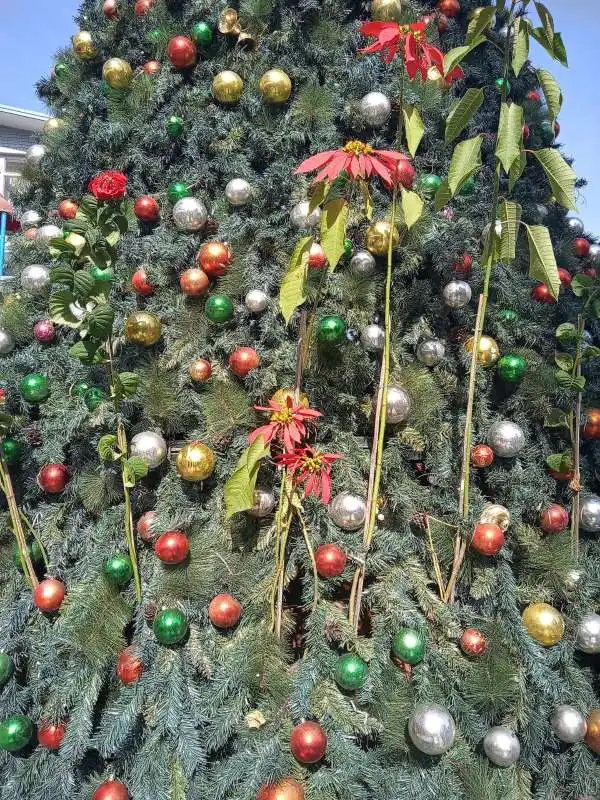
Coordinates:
(10, 172)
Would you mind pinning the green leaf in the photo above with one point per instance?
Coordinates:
(560, 176)
(581, 284)
(60, 304)
(412, 206)
(567, 381)
(442, 196)
(367, 199)
(100, 322)
(239, 489)
(334, 220)
(560, 52)
(88, 209)
(547, 29)
(556, 418)
(590, 352)
(113, 238)
(555, 48)
(552, 92)
(88, 352)
(510, 135)
(129, 383)
(318, 195)
(520, 45)
(133, 470)
(480, 21)
(414, 128)
(500, 6)
(564, 361)
(83, 284)
(62, 274)
(122, 223)
(510, 216)
(454, 57)
(107, 448)
(517, 170)
(291, 292)
(560, 462)
(542, 263)
(462, 113)
(466, 160)
(567, 332)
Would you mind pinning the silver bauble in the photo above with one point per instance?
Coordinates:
(503, 32)
(256, 301)
(497, 515)
(586, 340)
(431, 729)
(568, 724)
(372, 338)
(30, 219)
(300, 218)
(375, 109)
(431, 351)
(35, 279)
(47, 232)
(575, 225)
(594, 255)
(542, 210)
(589, 514)
(588, 634)
(573, 578)
(7, 343)
(456, 294)
(501, 746)
(486, 231)
(150, 447)
(348, 511)
(189, 214)
(264, 503)
(506, 438)
(398, 405)
(363, 263)
(238, 191)
(34, 155)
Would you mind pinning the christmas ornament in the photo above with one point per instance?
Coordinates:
(49, 594)
(151, 67)
(170, 626)
(547, 132)
(224, 611)
(363, 264)
(581, 247)
(526, 132)
(243, 360)
(34, 156)
(256, 301)
(473, 643)
(544, 623)
(263, 505)
(189, 214)
(13, 450)
(35, 279)
(508, 315)
(450, 8)
(351, 672)
(488, 539)
(316, 256)
(286, 789)
(588, 634)
(594, 255)
(431, 729)
(93, 397)
(195, 462)
(174, 126)
(200, 370)
(482, 456)
(568, 724)
(202, 34)
(61, 70)
(375, 109)
(575, 225)
(488, 351)
(143, 328)
(6, 668)
(110, 9)
(331, 329)
(542, 294)
(42, 330)
(398, 405)
(30, 219)
(7, 343)
(468, 187)
(117, 73)
(129, 667)
(146, 209)
(300, 217)
(502, 85)
(591, 429)
(386, 10)
(150, 447)
(589, 271)
(506, 438)
(172, 547)
(53, 478)
(378, 238)
(178, 191)
(111, 790)
(275, 86)
(533, 96)
(141, 284)
(79, 389)
(84, 47)
(430, 184)
(409, 646)
(497, 515)
(118, 569)
(348, 511)
(67, 209)
(194, 282)
(554, 519)
(330, 560)
(431, 351)
(501, 746)
(214, 258)
(592, 737)
(511, 368)
(238, 192)
(143, 7)
(227, 87)
(589, 514)
(181, 52)
(145, 526)
(456, 294)
(16, 732)
(35, 554)
(46, 233)
(308, 742)
(218, 308)
(372, 338)
(51, 736)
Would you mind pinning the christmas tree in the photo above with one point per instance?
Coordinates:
(298, 428)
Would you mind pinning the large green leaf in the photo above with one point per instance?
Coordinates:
(83, 284)
(510, 134)
(318, 195)
(239, 489)
(542, 263)
(517, 169)
(554, 48)
(60, 306)
(442, 196)
(466, 160)
(510, 216)
(129, 382)
(414, 128)
(100, 322)
(462, 113)
(454, 57)
(334, 220)
(62, 274)
(88, 351)
(560, 53)
(560, 176)
(412, 207)
(547, 30)
(480, 21)
(552, 92)
(520, 44)
(291, 291)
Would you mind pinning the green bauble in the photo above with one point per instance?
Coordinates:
(468, 187)
(16, 733)
(501, 83)
(13, 450)
(170, 626)
(547, 132)
(351, 672)
(202, 34)
(430, 184)
(508, 315)
(111, 93)
(61, 70)
(218, 308)
(118, 569)
(177, 191)
(511, 368)
(332, 329)
(35, 554)
(79, 389)
(409, 645)
(34, 388)
(104, 275)
(93, 397)
(348, 248)
(6, 668)
(175, 126)
(155, 35)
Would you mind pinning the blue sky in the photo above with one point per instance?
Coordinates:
(31, 31)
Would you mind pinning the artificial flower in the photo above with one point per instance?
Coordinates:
(357, 160)
(312, 468)
(287, 425)
(108, 185)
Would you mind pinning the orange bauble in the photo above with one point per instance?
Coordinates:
(68, 209)
(488, 539)
(591, 429)
(592, 737)
(285, 789)
(224, 611)
(451, 8)
(129, 667)
(200, 370)
(243, 360)
(194, 282)
(316, 257)
(482, 456)
(473, 643)
(214, 258)
(49, 594)
(151, 67)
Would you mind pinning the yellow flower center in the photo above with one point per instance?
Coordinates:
(313, 463)
(284, 416)
(406, 31)
(357, 148)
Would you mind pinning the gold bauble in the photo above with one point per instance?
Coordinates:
(142, 328)
(592, 737)
(275, 86)
(117, 73)
(84, 47)
(544, 623)
(229, 22)
(195, 462)
(496, 514)
(281, 397)
(227, 87)
(378, 238)
(488, 352)
(54, 125)
(77, 242)
(386, 10)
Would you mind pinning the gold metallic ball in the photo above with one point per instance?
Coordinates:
(229, 22)
(488, 352)
(386, 10)
(84, 47)
(281, 397)
(227, 87)
(592, 737)
(195, 462)
(54, 125)
(544, 623)
(275, 86)
(378, 238)
(142, 328)
(117, 73)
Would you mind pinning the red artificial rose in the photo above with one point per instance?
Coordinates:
(108, 186)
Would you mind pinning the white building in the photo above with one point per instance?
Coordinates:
(19, 129)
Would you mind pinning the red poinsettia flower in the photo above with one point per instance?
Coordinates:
(312, 468)
(356, 159)
(418, 54)
(287, 425)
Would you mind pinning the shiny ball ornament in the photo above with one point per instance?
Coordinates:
(554, 519)
(30, 219)
(575, 225)
(7, 668)
(431, 351)
(227, 87)
(181, 52)
(263, 505)
(53, 478)
(195, 462)
(308, 742)
(12, 450)
(430, 184)
(331, 329)
(143, 7)
(146, 526)
(189, 214)
(506, 438)
(488, 351)
(431, 729)
(348, 511)
(214, 258)
(405, 173)
(468, 187)
(542, 294)
(587, 638)
(43, 332)
(363, 264)
(46, 233)
(34, 388)
(286, 789)
(275, 86)
(544, 623)
(398, 405)
(200, 370)
(117, 73)
(450, 8)
(61, 70)
(84, 47)
(67, 209)
(488, 539)
(409, 646)
(501, 746)
(111, 790)
(79, 389)
(175, 126)
(386, 10)
(16, 732)
(110, 9)
(129, 667)
(511, 368)
(7, 343)
(224, 611)
(502, 85)
(508, 316)
(568, 724)
(330, 560)
(238, 192)
(589, 514)
(172, 547)
(243, 360)
(150, 447)
(34, 155)
(372, 338)
(482, 456)
(178, 191)
(316, 257)
(456, 294)
(378, 237)
(496, 514)
(581, 248)
(50, 736)
(256, 301)
(351, 672)
(202, 34)
(473, 643)
(146, 209)
(375, 109)
(152, 67)
(592, 737)
(140, 283)
(118, 569)
(594, 255)
(219, 308)
(194, 282)
(48, 595)
(300, 217)
(143, 328)
(170, 626)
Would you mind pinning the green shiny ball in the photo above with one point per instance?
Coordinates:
(6, 668)
(111, 93)
(547, 132)
(16, 733)
(511, 368)
(61, 70)
(105, 275)
(409, 645)
(351, 672)
(93, 397)
(175, 126)
(34, 388)
(170, 626)
(468, 187)
(118, 569)
(80, 388)
(508, 315)
(35, 554)
(332, 329)
(202, 34)
(13, 450)
(219, 308)
(348, 248)
(177, 191)
(430, 184)
(155, 35)
(501, 83)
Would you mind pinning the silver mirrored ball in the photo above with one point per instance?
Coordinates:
(456, 294)
(34, 155)
(238, 191)
(363, 263)
(256, 301)
(375, 109)
(398, 405)
(587, 638)
(264, 503)
(372, 338)
(575, 225)
(501, 746)
(431, 729)
(35, 279)
(506, 438)
(589, 514)
(431, 351)
(30, 219)
(568, 724)
(189, 214)
(594, 255)
(300, 218)
(7, 343)
(150, 447)
(348, 511)
(46, 233)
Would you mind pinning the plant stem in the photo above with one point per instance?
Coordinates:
(576, 481)
(15, 517)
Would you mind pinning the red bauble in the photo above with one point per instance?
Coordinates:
(53, 478)
(285, 789)
(181, 52)
(50, 736)
(140, 283)
(463, 264)
(111, 790)
(554, 519)
(526, 132)
(589, 271)
(308, 742)
(214, 258)
(542, 294)
(201, 370)
(482, 456)
(194, 282)
(44, 331)
(129, 667)
(111, 9)
(49, 594)
(145, 526)
(68, 209)
(405, 173)
(224, 611)
(473, 642)
(451, 8)
(143, 7)
(243, 360)
(556, 127)
(151, 67)
(565, 276)
(330, 560)
(172, 547)
(487, 539)
(591, 429)
(533, 96)
(581, 247)
(442, 23)
(316, 257)
(146, 208)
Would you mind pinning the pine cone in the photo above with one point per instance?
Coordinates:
(221, 443)
(420, 519)
(150, 612)
(33, 435)
(211, 227)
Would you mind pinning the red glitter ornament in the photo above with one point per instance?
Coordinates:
(285, 789)
(143, 7)
(482, 456)
(565, 276)
(308, 742)
(316, 256)
(49, 594)
(151, 67)
(330, 560)
(404, 174)
(111, 9)
(53, 478)
(214, 258)
(140, 283)
(145, 526)
(224, 611)
(50, 736)
(473, 642)
(44, 331)
(201, 370)
(581, 247)
(533, 96)
(172, 547)
(243, 360)
(451, 8)
(554, 519)
(146, 208)
(68, 209)
(526, 132)
(488, 539)
(463, 264)
(111, 790)
(129, 667)
(194, 282)
(181, 52)
(542, 294)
